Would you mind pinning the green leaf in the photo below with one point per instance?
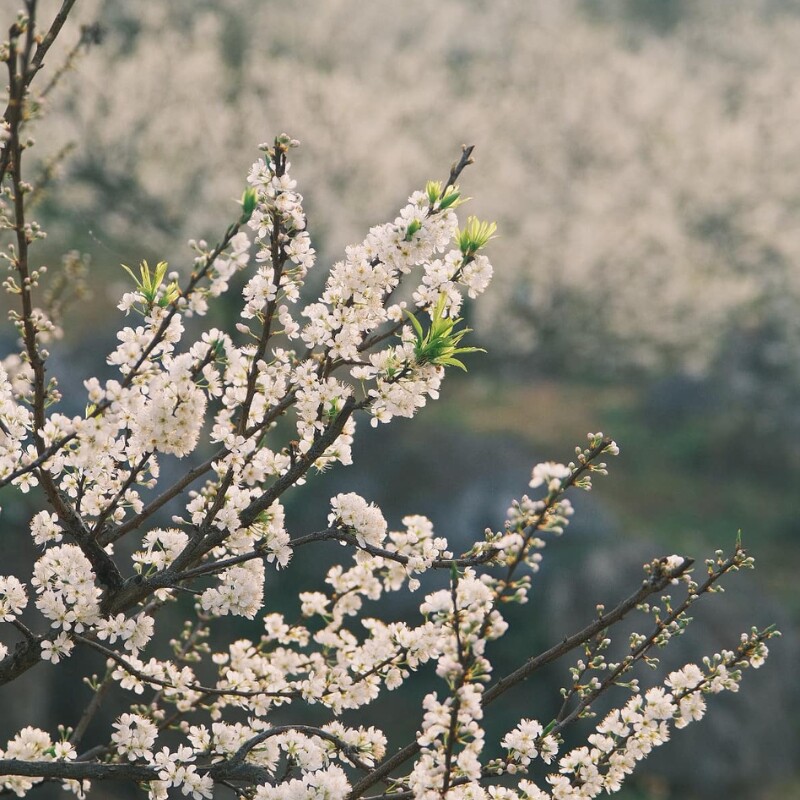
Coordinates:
(412, 228)
(451, 198)
(433, 189)
(130, 272)
(452, 362)
(474, 236)
(249, 198)
(415, 322)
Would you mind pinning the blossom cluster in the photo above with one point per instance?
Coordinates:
(33, 744)
(468, 620)
(627, 735)
(65, 586)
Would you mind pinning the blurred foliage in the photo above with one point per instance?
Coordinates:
(689, 475)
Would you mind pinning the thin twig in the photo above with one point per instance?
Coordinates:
(190, 687)
(91, 709)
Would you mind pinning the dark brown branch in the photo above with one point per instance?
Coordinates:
(552, 498)
(92, 707)
(152, 680)
(278, 259)
(650, 642)
(455, 171)
(656, 583)
(37, 62)
(459, 166)
(192, 475)
(25, 655)
(384, 769)
(203, 543)
(450, 743)
(196, 276)
(90, 34)
(132, 773)
(30, 64)
(103, 565)
(173, 491)
(320, 445)
(78, 770)
(241, 754)
(129, 481)
(338, 535)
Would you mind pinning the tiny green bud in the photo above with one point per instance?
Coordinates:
(249, 198)
(433, 189)
(451, 198)
(412, 228)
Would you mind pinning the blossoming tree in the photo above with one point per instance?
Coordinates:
(252, 412)
(650, 175)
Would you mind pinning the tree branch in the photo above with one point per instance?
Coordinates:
(655, 584)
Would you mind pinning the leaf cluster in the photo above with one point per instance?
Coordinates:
(440, 344)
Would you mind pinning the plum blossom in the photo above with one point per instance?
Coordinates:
(134, 736)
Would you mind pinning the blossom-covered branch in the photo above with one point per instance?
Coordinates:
(275, 398)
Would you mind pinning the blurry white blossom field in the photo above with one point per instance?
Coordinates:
(646, 181)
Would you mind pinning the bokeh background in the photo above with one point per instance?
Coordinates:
(642, 160)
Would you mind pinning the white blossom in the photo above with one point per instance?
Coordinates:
(134, 736)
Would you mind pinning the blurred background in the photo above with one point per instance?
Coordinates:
(642, 161)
